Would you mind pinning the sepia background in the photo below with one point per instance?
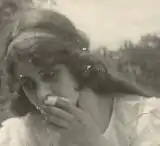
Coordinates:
(110, 22)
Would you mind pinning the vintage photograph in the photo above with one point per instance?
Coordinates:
(79, 73)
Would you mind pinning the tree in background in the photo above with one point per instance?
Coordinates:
(149, 41)
(140, 62)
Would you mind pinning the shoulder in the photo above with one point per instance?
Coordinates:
(122, 125)
(12, 131)
(148, 124)
(141, 117)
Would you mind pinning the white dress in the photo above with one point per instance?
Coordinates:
(135, 122)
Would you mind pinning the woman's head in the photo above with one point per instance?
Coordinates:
(44, 55)
(47, 67)
(37, 45)
(41, 70)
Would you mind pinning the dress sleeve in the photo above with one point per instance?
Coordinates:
(136, 122)
(148, 123)
(4, 136)
(12, 132)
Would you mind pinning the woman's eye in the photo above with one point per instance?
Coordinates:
(49, 76)
(28, 83)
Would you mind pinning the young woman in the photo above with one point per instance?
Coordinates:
(60, 93)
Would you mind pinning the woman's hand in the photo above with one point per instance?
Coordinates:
(75, 125)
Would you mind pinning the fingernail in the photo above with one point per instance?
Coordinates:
(51, 100)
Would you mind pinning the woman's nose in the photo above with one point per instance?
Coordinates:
(43, 91)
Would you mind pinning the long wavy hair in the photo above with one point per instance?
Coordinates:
(47, 38)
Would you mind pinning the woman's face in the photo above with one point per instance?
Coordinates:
(37, 85)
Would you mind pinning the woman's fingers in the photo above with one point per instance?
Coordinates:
(59, 113)
(58, 122)
(63, 109)
(63, 104)
(68, 107)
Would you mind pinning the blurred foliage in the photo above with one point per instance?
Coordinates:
(140, 62)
